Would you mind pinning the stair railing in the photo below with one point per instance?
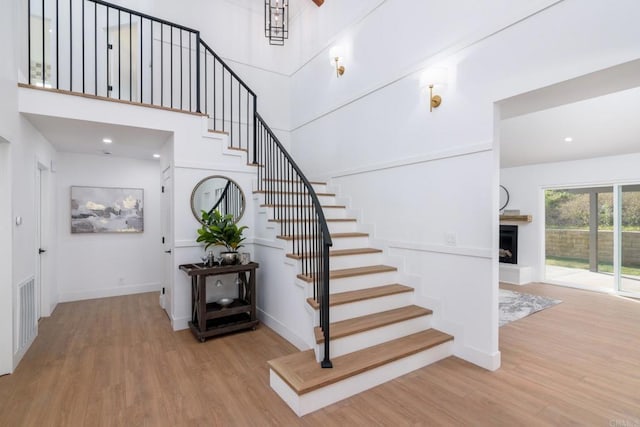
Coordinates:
(297, 208)
(97, 48)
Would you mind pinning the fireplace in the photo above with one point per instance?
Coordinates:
(509, 244)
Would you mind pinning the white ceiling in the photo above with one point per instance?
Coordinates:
(599, 111)
(602, 126)
(79, 136)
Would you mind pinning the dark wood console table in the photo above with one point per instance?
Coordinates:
(211, 319)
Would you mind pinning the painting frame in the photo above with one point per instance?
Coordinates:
(96, 209)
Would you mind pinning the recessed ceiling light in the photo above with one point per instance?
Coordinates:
(107, 140)
(156, 156)
(568, 139)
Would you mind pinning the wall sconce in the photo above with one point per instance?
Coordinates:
(430, 78)
(336, 57)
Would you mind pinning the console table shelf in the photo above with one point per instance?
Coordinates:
(211, 319)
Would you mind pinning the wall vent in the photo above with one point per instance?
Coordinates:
(27, 318)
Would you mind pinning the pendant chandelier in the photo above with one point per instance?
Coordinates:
(276, 21)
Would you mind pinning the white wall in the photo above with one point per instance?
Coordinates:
(526, 185)
(422, 178)
(107, 264)
(8, 102)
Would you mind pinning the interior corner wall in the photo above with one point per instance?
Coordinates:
(108, 264)
(425, 180)
(526, 185)
(8, 133)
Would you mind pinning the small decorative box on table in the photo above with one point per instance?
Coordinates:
(211, 319)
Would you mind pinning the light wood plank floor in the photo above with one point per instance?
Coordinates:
(115, 361)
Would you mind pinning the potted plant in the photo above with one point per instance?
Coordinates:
(220, 230)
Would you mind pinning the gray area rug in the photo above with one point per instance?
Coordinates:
(516, 305)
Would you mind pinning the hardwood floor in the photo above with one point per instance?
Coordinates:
(115, 361)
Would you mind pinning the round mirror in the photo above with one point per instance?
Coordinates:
(217, 193)
(504, 197)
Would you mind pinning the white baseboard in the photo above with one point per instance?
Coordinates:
(487, 361)
(282, 330)
(109, 292)
(180, 323)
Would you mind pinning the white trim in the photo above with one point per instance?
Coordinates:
(180, 323)
(110, 292)
(442, 249)
(280, 329)
(219, 167)
(489, 361)
(258, 241)
(325, 396)
(465, 150)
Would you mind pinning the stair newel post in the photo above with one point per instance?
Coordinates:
(198, 110)
(326, 362)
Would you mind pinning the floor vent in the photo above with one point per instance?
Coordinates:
(27, 324)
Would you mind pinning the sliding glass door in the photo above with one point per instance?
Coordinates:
(629, 240)
(592, 238)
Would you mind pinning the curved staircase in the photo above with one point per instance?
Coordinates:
(377, 333)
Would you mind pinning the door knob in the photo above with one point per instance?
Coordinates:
(41, 251)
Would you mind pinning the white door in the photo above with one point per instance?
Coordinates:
(166, 296)
(40, 208)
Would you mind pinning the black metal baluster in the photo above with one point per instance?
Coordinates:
(206, 98)
(190, 55)
(171, 65)
(109, 46)
(141, 72)
(215, 123)
(162, 64)
(181, 61)
(57, 46)
(119, 56)
(239, 116)
(83, 66)
(223, 103)
(198, 100)
(95, 49)
(151, 89)
(130, 61)
(44, 68)
(70, 46)
(231, 108)
(29, 38)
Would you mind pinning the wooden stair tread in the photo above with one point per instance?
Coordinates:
(361, 295)
(352, 272)
(333, 235)
(340, 252)
(371, 321)
(292, 181)
(303, 373)
(293, 192)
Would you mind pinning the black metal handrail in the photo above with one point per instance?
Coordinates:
(298, 210)
(295, 202)
(122, 54)
(219, 101)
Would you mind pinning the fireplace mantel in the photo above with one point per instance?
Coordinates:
(516, 218)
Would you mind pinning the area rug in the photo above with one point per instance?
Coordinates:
(515, 305)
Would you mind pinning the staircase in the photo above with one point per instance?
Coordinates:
(366, 325)
(377, 333)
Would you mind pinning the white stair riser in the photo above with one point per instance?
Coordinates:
(318, 399)
(293, 213)
(351, 261)
(277, 186)
(334, 227)
(338, 243)
(355, 342)
(294, 199)
(361, 282)
(341, 312)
